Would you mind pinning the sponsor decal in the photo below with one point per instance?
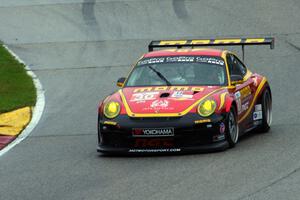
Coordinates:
(202, 121)
(181, 95)
(161, 88)
(152, 61)
(184, 99)
(245, 92)
(180, 59)
(257, 122)
(187, 96)
(110, 123)
(257, 115)
(258, 107)
(171, 88)
(177, 94)
(153, 132)
(238, 101)
(153, 150)
(197, 89)
(143, 89)
(210, 60)
(237, 95)
(222, 128)
(244, 107)
(152, 143)
(208, 125)
(186, 59)
(240, 96)
(217, 138)
(159, 104)
(220, 136)
(179, 88)
(144, 96)
(158, 109)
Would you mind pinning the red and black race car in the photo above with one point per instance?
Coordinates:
(185, 99)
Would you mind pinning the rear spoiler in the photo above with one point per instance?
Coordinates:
(212, 42)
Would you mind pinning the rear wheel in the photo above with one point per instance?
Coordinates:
(266, 104)
(232, 128)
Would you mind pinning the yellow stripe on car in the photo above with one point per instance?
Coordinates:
(262, 83)
(222, 100)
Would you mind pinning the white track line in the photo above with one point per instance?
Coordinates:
(37, 110)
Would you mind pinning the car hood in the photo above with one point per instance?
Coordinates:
(164, 100)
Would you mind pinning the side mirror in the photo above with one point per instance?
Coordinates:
(236, 79)
(120, 82)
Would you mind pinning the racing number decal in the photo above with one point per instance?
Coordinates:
(144, 96)
(238, 101)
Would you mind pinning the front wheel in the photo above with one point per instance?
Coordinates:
(232, 128)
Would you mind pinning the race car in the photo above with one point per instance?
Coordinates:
(181, 98)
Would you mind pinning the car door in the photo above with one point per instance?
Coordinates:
(243, 92)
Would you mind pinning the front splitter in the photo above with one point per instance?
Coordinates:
(214, 147)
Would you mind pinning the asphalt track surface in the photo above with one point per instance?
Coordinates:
(79, 48)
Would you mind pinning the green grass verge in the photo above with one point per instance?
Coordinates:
(16, 86)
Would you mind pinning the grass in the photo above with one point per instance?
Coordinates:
(16, 86)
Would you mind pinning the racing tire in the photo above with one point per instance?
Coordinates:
(232, 128)
(266, 104)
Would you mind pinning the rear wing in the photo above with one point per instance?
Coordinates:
(212, 42)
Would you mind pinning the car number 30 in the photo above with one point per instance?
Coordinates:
(144, 96)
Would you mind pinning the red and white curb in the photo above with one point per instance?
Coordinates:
(37, 110)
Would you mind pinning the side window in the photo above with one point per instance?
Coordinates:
(241, 66)
(235, 66)
(230, 63)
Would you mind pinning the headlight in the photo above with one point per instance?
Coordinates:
(111, 109)
(207, 107)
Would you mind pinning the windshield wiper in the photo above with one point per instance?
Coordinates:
(160, 76)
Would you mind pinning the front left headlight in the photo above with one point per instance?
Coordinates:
(207, 107)
(111, 109)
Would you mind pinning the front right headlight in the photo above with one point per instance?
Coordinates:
(111, 109)
(207, 107)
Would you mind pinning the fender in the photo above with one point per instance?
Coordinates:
(265, 86)
(229, 102)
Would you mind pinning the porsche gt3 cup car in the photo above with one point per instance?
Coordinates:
(185, 99)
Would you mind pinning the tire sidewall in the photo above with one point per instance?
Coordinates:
(227, 131)
(265, 125)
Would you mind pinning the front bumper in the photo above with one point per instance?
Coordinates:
(192, 133)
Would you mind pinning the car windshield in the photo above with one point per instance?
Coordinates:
(178, 70)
